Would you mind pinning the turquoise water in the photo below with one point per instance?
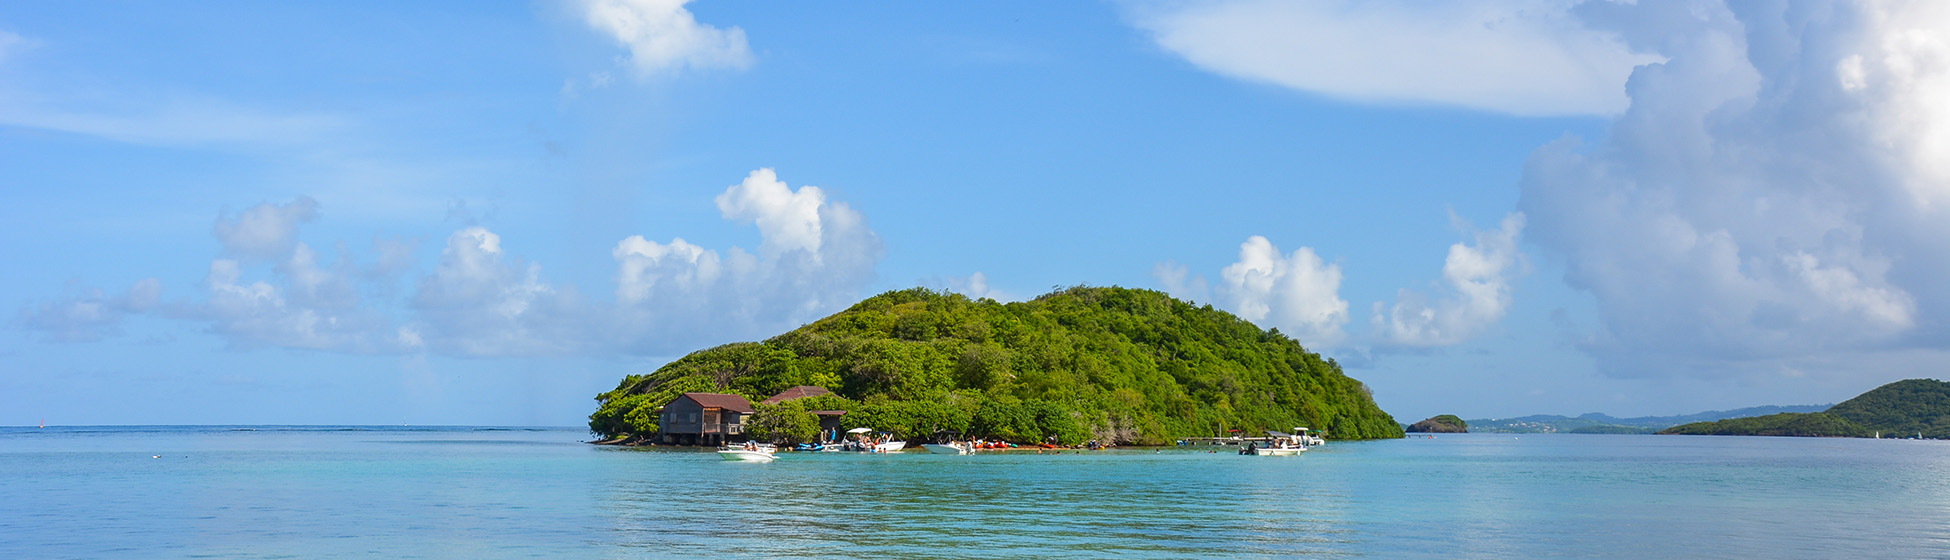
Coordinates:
(281, 492)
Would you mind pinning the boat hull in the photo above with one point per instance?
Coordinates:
(743, 455)
(1275, 451)
(945, 449)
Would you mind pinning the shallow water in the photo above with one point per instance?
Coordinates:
(369, 492)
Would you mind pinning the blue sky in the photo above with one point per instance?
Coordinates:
(487, 213)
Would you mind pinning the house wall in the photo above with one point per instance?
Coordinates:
(682, 416)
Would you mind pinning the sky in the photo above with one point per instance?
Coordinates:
(490, 212)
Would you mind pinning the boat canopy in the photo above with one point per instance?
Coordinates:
(859, 430)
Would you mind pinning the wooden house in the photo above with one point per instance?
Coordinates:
(703, 419)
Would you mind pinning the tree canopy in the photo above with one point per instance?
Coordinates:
(1111, 364)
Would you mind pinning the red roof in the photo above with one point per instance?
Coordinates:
(723, 401)
(799, 392)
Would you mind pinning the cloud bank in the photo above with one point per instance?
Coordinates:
(271, 290)
(1522, 58)
(1779, 190)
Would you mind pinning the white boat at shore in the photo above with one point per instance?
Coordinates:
(1280, 444)
(866, 440)
(951, 448)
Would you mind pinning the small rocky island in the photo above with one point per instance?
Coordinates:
(1442, 424)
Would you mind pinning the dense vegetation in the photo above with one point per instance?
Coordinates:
(1110, 364)
(1903, 408)
(1812, 424)
(1441, 424)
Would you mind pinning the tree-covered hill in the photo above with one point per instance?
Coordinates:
(1898, 409)
(1902, 408)
(1812, 424)
(1111, 364)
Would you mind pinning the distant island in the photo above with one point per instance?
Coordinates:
(1908, 408)
(1596, 423)
(1440, 424)
(1113, 365)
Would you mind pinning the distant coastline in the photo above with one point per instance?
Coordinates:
(1599, 423)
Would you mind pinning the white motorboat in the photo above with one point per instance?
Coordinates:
(950, 448)
(1280, 444)
(874, 442)
(757, 453)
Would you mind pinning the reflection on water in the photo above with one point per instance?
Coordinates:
(163, 492)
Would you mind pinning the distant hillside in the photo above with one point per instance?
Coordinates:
(1904, 408)
(1110, 364)
(1596, 423)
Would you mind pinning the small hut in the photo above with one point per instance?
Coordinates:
(703, 419)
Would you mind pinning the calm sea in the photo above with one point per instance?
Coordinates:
(368, 492)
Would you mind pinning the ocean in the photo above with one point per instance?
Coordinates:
(466, 492)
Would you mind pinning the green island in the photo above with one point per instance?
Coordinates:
(1440, 424)
(1109, 364)
(1912, 407)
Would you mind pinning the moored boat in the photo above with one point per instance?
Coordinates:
(1279, 444)
(754, 452)
(950, 448)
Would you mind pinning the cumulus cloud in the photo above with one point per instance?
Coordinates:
(1475, 293)
(815, 255)
(1776, 192)
(1298, 293)
(1524, 58)
(663, 37)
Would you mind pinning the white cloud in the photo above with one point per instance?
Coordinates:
(815, 256)
(1523, 58)
(1475, 287)
(662, 36)
(787, 220)
(1298, 293)
(1775, 194)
